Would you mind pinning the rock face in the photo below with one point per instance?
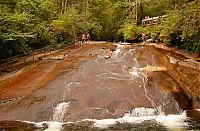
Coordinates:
(58, 57)
(152, 69)
(86, 85)
(163, 80)
(179, 73)
(17, 125)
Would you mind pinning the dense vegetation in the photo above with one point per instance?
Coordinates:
(26, 25)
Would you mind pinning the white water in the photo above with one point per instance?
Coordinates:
(136, 116)
(139, 112)
(60, 110)
(117, 51)
(52, 126)
(139, 115)
(134, 71)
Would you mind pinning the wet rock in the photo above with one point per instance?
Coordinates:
(152, 69)
(17, 126)
(194, 114)
(184, 101)
(197, 59)
(146, 126)
(189, 63)
(59, 57)
(172, 59)
(36, 99)
(84, 125)
(164, 80)
(88, 125)
(7, 101)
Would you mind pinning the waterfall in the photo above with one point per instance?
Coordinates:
(60, 110)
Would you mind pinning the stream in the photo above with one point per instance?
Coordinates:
(139, 87)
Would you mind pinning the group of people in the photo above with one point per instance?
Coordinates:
(85, 38)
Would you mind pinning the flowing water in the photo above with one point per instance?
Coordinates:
(134, 89)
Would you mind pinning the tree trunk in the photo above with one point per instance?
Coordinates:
(65, 9)
(62, 8)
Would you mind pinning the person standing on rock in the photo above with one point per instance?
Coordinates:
(87, 38)
(84, 37)
(143, 37)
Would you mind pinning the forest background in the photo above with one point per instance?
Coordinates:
(27, 25)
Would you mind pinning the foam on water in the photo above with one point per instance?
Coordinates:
(139, 112)
(118, 50)
(54, 126)
(51, 126)
(173, 121)
(144, 114)
(105, 123)
(59, 111)
(136, 116)
(134, 71)
(124, 43)
(116, 53)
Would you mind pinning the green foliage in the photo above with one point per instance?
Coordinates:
(14, 33)
(131, 31)
(26, 25)
(183, 27)
(48, 10)
(64, 27)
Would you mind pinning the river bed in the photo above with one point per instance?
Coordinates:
(138, 87)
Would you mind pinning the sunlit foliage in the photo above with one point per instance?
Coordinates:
(27, 25)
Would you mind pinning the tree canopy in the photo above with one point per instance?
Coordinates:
(27, 25)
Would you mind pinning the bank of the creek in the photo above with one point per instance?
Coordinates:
(136, 87)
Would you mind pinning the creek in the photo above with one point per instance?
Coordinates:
(137, 88)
